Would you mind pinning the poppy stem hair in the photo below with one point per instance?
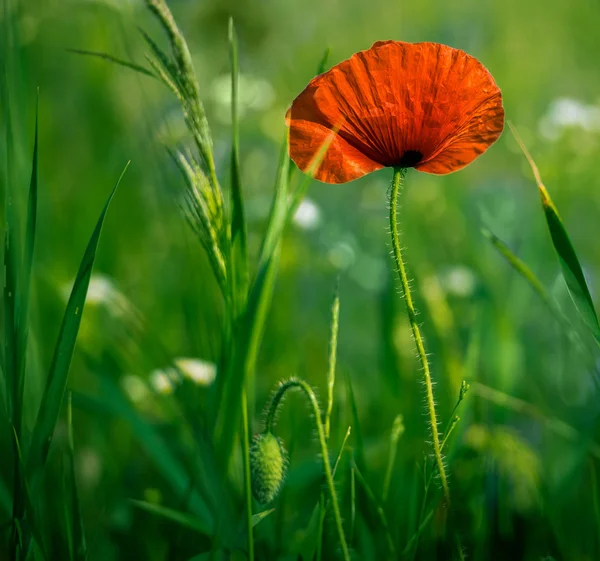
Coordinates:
(273, 406)
(412, 317)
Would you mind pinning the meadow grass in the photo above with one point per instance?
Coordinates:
(116, 446)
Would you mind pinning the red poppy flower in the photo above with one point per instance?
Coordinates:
(420, 105)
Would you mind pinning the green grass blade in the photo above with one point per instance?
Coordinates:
(335, 323)
(380, 511)
(360, 447)
(397, 431)
(253, 322)
(20, 281)
(567, 257)
(110, 58)
(260, 516)
(59, 369)
(323, 504)
(323, 62)
(239, 249)
(410, 548)
(21, 292)
(321, 67)
(278, 208)
(11, 252)
(176, 516)
(79, 545)
(11, 292)
(301, 190)
(518, 265)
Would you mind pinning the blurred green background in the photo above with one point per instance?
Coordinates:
(523, 462)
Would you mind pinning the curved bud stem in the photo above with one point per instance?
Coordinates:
(298, 383)
(412, 317)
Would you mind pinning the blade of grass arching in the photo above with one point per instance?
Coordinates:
(519, 266)
(79, 546)
(553, 424)
(522, 269)
(176, 516)
(59, 369)
(567, 257)
(110, 58)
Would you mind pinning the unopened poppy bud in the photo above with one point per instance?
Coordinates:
(268, 462)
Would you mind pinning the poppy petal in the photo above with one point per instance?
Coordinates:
(341, 161)
(423, 105)
(484, 127)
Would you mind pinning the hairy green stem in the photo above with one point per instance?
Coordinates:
(300, 384)
(412, 317)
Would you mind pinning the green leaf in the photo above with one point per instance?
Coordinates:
(278, 210)
(333, 339)
(115, 60)
(21, 291)
(239, 249)
(11, 267)
(79, 546)
(181, 518)
(260, 516)
(252, 324)
(567, 257)
(360, 448)
(518, 265)
(323, 62)
(63, 352)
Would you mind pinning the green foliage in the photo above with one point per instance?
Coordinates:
(150, 461)
(56, 382)
(569, 263)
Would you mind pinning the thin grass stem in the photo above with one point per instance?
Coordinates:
(247, 475)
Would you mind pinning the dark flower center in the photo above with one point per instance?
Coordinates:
(409, 159)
